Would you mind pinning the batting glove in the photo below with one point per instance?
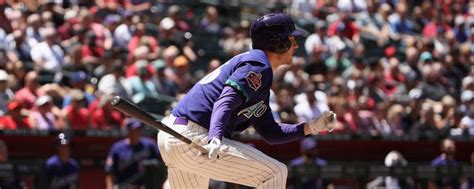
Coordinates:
(214, 147)
(326, 121)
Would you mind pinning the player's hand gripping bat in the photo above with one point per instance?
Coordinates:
(131, 109)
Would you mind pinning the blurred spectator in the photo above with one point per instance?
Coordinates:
(431, 86)
(109, 5)
(18, 48)
(125, 164)
(48, 55)
(393, 159)
(75, 116)
(352, 5)
(400, 21)
(310, 106)
(5, 23)
(28, 94)
(447, 158)
(174, 12)
(66, 31)
(213, 64)
(345, 29)
(452, 74)
(123, 33)
(182, 77)
(15, 118)
(338, 63)
(436, 27)
(62, 171)
(163, 84)
(426, 126)
(99, 37)
(115, 81)
(142, 87)
(467, 122)
(78, 81)
(138, 6)
(42, 117)
(210, 21)
(374, 25)
(91, 52)
(309, 157)
(359, 119)
(104, 116)
(140, 38)
(33, 29)
(393, 124)
(6, 94)
(285, 104)
(453, 125)
(8, 179)
(139, 55)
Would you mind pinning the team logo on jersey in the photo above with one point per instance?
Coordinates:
(256, 110)
(254, 80)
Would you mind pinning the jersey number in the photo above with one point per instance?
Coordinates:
(256, 110)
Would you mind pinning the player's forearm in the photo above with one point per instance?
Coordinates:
(229, 100)
(307, 130)
(108, 182)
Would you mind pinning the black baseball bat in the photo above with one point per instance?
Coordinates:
(131, 109)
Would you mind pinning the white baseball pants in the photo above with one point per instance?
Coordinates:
(240, 163)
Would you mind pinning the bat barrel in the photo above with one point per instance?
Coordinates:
(132, 110)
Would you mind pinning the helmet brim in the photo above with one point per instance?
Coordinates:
(297, 33)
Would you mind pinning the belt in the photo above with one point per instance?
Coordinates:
(180, 121)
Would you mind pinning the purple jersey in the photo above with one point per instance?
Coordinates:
(62, 174)
(251, 75)
(124, 161)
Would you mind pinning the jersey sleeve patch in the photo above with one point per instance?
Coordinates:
(254, 80)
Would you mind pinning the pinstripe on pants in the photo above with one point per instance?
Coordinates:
(240, 163)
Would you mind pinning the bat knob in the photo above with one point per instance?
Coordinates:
(115, 100)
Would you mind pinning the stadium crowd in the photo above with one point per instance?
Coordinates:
(385, 67)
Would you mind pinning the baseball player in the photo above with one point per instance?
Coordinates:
(228, 100)
(62, 170)
(125, 163)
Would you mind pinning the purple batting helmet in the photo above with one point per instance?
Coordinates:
(270, 32)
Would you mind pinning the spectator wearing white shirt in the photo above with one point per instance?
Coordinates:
(352, 5)
(123, 33)
(309, 105)
(6, 94)
(318, 41)
(47, 55)
(33, 29)
(115, 82)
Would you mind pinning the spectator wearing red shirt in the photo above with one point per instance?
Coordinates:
(105, 116)
(28, 94)
(436, 27)
(346, 26)
(139, 54)
(141, 39)
(91, 52)
(102, 36)
(14, 119)
(75, 115)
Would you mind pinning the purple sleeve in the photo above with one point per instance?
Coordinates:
(229, 100)
(277, 133)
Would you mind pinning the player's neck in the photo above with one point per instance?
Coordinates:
(274, 59)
